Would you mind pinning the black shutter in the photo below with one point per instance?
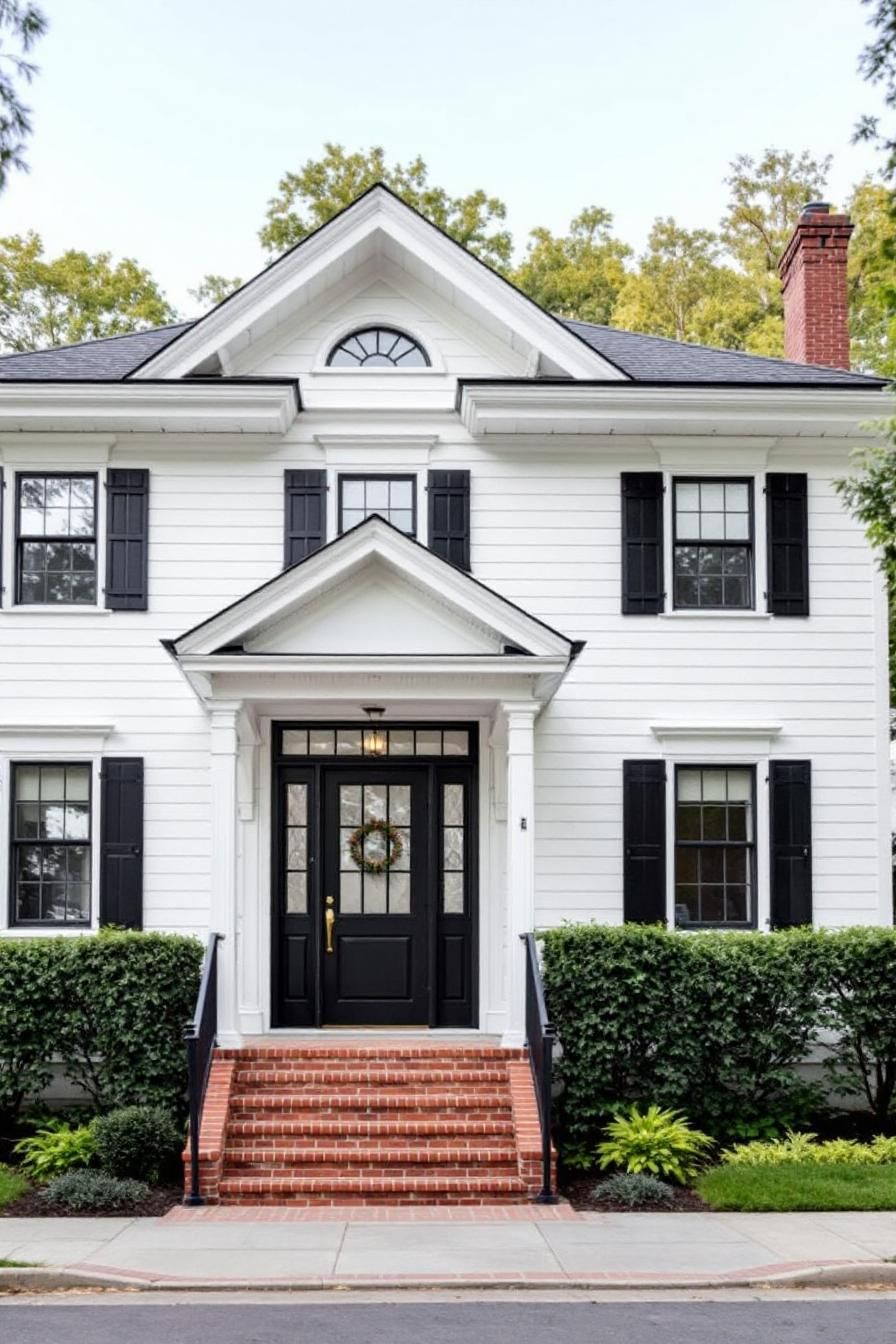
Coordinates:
(121, 842)
(787, 513)
(304, 514)
(644, 841)
(642, 543)
(449, 516)
(790, 805)
(127, 538)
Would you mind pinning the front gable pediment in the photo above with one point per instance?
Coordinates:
(373, 591)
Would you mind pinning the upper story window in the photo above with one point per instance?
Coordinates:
(714, 846)
(51, 844)
(392, 497)
(56, 539)
(713, 546)
(378, 347)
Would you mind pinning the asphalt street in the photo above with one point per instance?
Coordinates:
(793, 1322)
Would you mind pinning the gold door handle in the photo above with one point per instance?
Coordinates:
(329, 921)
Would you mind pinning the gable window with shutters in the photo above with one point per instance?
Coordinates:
(715, 846)
(392, 497)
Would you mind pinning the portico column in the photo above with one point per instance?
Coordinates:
(224, 761)
(520, 720)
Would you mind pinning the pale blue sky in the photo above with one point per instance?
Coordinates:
(162, 127)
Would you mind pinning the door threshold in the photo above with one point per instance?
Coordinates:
(369, 1033)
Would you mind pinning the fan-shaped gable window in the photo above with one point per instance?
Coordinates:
(378, 347)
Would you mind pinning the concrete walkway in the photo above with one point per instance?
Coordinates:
(525, 1245)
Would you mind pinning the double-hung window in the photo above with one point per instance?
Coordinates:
(56, 539)
(713, 544)
(50, 844)
(392, 497)
(715, 846)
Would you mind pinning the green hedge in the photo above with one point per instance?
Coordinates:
(716, 1024)
(111, 1008)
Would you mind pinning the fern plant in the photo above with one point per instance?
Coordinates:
(54, 1149)
(658, 1142)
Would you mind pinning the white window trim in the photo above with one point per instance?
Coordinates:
(421, 498)
(62, 750)
(340, 330)
(8, 501)
(760, 560)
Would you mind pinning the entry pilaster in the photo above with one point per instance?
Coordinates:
(520, 720)
(224, 734)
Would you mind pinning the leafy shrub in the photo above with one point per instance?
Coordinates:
(55, 1148)
(12, 1185)
(716, 1023)
(656, 1141)
(94, 1190)
(634, 1189)
(111, 1007)
(858, 971)
(138, 1141)
(805, 1150)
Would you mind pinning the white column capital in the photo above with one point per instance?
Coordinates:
(224, 720)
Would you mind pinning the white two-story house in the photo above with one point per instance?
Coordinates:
(379, 617)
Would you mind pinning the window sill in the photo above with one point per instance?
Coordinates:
(50, 609)
(716, 615)
(47, 931)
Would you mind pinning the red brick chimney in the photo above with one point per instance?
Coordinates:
(813, 278)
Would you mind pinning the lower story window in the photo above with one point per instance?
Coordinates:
(51, 844)
(714, 846)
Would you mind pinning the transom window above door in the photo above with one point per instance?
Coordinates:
(713, 547)
(56, 539)
(378, 347)
(392, 497)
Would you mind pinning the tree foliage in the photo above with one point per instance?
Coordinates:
(20, 27)
(73, 297)
(322, 187)
(214, 289)
(579, 275)
(872, 278)
(877, 64)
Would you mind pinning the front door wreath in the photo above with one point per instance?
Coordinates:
(394, 847)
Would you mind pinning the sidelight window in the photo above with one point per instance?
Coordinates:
(51, 843)
(713, 548)
(56, 540)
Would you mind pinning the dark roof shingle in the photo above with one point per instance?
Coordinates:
(109, 359)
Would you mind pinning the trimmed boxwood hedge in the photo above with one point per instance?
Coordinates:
(716, 1024)
(111, 1008)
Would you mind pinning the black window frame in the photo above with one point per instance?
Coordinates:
(749, 545)
(749, 845)
(15, 844)
(21, 539)
(378, 327)
(379, 476)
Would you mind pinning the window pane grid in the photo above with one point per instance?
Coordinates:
(453, 822)
(393, 498)
(51, 844)
(378, 347)
(713, 548)
(368, 893)
(56, 548)
(714, 846)
(376, 742)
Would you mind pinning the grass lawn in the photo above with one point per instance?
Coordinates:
(11, 1185)
(786, 1189)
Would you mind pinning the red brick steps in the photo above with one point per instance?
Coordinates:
(389, 1123)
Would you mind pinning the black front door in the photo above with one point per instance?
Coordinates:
(376, 883)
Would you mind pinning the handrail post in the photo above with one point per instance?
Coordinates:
(192, 1042)
(200, 1039)
(546, 1194)
(540, 1037)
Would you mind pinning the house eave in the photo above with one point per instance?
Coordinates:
(217, 406)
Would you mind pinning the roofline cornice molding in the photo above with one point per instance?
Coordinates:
(213, 406)
(632, 408)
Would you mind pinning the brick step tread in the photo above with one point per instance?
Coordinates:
(399, 1099)
(373, 1201)
(336, 1185)
(347, 1127)
(404, 1053)
(377, 1154)
(369, 1077)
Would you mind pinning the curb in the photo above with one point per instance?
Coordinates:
(873, 1274)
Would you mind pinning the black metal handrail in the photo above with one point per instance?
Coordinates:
(200, 1038)
(540, 1037)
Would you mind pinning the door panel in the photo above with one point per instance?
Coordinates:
(377, 971)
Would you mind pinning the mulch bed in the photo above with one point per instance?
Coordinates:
(580, 1191)
(33, 1205)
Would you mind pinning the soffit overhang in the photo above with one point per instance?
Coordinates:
(213, 406)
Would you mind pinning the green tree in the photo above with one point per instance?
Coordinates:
(74, 297)
(872, 278)
(214, 289)
(870, 494)
(682, 290)
(322, 187)
(20, 27)
(765, 200)
(877, 64)
(579, 275)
